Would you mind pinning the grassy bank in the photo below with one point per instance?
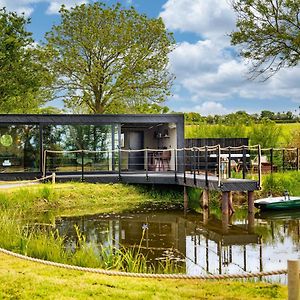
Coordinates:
(18, 277)
(24, 280)
(84, 198)
(27, 222)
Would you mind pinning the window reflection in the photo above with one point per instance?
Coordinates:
(97, 139)
(19, 148)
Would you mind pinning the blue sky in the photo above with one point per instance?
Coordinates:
(210, 77)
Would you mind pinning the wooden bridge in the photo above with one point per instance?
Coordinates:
(208, 168)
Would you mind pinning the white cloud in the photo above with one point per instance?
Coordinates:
(208, 108)
(55, 6)
(27, 6)
(209, 74)
(211, 19)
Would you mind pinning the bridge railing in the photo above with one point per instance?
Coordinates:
(223, 163)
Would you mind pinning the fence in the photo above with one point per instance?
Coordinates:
(206, 161)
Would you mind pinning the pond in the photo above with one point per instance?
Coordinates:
(197, 244)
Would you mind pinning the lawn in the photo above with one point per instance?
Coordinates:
(26, 280)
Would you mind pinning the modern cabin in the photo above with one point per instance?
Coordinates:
(31, 145)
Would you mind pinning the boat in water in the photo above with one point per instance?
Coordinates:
(278, 203)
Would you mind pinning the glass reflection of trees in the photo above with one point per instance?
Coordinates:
(79, 137)
(19, 148)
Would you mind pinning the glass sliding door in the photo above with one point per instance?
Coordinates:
(97, 140)
(19, 148)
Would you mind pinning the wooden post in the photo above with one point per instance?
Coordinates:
(271, 159)
(225, 223)
(185, 199)
(53, 178)
(250, 202)
(225, 206)
(250, 223)
(259, 166)
(244, 162)
(146, 158)
(229, 162)
(206, 167)
(205, 198)
(230, 205)
(293, 280)
(205, 214)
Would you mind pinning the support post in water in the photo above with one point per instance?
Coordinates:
(225, 206)
(293, 280)
(230, 205)
(250, 202)
(205, 199)
(185, 199)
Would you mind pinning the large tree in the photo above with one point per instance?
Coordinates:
(268, 32)
(22, 76)
(109, 59)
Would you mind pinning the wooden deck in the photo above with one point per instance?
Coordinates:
(167, 178)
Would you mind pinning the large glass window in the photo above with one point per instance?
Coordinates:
(98, 140)
(19, 148)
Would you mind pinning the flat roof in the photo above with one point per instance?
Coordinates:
(90, 119)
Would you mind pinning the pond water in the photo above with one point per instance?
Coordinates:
(199, 244)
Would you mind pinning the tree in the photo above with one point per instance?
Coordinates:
(269, 33)
(266, 114)
(110, 59)
(22, 76)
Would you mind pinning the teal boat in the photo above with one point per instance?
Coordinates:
(278, 203)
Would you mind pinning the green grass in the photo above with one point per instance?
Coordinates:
(83, 198)
(25, 280)
(222, 131)
(25, 205)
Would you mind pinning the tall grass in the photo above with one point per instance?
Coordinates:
(46, 243)
(277, 183)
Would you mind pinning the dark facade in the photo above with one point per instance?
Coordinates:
(31, 144)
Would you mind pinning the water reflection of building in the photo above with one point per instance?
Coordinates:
(209, 248)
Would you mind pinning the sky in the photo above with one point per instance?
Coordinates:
(211, 78)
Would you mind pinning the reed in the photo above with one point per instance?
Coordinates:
(45, 243)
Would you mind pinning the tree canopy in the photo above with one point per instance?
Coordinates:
(268, 32)
(109, 59)
(22, 77)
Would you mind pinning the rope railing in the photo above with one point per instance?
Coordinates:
(223, 162)
(29, 181)
(144, 275)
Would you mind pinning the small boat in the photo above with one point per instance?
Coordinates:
(278, 203)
